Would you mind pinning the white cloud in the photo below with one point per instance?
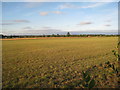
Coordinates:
(21, 21)
(68, 5)
(16, 21)
(85, 23)
(7, 24)
(57, 12)
(12, 22)
(107, 25)
(93, 5)
(41, 31)
(54, 12)
(46, 27)
(27, 28)
(44, 13)
(108, 21)
(32, 4)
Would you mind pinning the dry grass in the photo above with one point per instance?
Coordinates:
(54, 62)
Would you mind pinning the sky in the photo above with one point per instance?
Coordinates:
(38, 18)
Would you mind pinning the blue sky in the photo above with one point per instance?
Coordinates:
(59, 17)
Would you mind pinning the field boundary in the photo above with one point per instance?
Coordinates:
(45, 38)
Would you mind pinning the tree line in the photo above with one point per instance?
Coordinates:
(54, 35)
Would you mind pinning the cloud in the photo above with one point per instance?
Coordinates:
(16, 21)
(107, 25)
(108, 21)
(68, 5)
(57, 31)
(46, 27)
(57, 12)
(32, 4)
(54, 12)
(44, 13)
(12, 22)
(95, 32)
(85, 23)
(21, 21)
(93, 5)
(41, 31)
(27, 28)
(6, 23)
(32, 31)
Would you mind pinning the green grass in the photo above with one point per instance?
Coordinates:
(53, 62)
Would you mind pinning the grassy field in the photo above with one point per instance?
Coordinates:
(57, 62)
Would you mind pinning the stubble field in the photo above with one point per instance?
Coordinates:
(57, 62)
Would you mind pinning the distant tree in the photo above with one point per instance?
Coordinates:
(43, 35)
(68, 34)
(58, 35)
(48, 35)
(53, 35)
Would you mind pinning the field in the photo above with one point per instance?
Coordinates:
(57, 62)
